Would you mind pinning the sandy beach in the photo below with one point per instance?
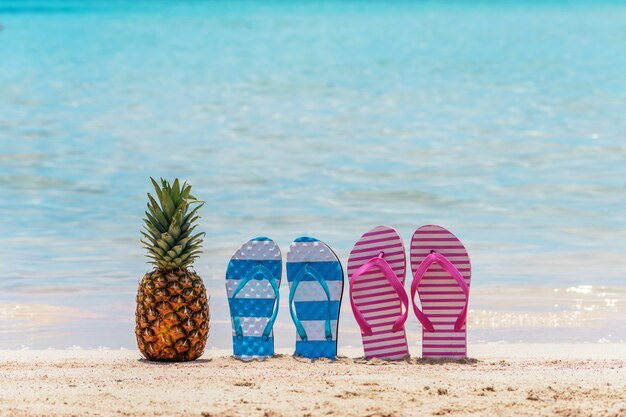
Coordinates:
(500, 379)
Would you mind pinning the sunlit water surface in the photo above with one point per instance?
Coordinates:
(502, 121)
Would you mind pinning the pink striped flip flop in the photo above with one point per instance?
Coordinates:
(441, 275)
(376, 268)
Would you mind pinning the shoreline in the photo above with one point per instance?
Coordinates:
(502, 379)
(520, 314)
(477, 351)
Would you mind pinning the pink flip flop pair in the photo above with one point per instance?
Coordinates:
(441, 273)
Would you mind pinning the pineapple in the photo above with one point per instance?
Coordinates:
(172, 316)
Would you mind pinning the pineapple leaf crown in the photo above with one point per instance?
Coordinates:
(169, 225)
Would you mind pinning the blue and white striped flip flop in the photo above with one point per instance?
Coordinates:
(315, 281)
(252, 282)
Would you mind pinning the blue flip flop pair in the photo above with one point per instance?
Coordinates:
(315, 278)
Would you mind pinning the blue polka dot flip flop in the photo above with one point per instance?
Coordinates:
(252, 283)
(315, 281)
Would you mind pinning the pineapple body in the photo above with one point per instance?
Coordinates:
(172, 316)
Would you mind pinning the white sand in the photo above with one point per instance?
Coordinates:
(503, 379)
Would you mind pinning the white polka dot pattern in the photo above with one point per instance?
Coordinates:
(258, 250)
(316, 330)
(313, 291)
(253, 289)
(252, 326)
(310, 252)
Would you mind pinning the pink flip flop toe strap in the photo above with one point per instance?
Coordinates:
(380, 263)
(440, 259)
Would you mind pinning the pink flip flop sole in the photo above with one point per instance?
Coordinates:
(440, 294)
(374, 296)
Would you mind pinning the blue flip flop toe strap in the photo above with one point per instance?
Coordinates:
(266, 274)
(309, 270)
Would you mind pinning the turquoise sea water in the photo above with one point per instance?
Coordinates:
(503, 121)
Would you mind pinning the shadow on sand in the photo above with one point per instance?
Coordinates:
(169, 363)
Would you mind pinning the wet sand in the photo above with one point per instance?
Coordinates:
(501, 379)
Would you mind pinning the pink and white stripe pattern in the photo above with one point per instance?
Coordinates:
(374, 296)
(441, 296)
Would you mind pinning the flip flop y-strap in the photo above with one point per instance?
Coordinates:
(440, 259)
(309, 270)
(265, 273)
(380, 263)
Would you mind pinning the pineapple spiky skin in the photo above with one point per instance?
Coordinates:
(172, 315)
